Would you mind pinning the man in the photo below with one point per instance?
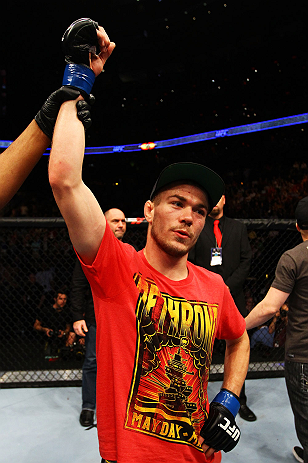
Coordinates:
(291, 282)
(54, 321)
(84, 323)
(229, 254)
(117, 222)
(157, 315)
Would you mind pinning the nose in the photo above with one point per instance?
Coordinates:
(187, 215)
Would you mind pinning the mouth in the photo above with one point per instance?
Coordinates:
(182, 233)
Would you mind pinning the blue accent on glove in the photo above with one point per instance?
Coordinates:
(228, 400)
(79, 76)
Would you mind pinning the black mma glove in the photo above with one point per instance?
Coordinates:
(220, 430)
(80, 39)
(47, 115)
(83, 111)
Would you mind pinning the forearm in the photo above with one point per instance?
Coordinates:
(17, 161)
(38, 327)
(266, 309)
(259, 315)
(236, 363)
(66, 157)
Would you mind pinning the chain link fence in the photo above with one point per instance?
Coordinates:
(37, 261)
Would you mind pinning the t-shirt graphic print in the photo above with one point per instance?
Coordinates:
(168, 395)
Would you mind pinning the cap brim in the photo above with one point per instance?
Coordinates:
(206, 178)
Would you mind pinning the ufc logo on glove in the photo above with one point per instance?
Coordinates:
(220, 430)
(233, 431)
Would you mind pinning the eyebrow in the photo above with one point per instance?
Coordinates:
(182, 198)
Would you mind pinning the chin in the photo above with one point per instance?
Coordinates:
(176, 250)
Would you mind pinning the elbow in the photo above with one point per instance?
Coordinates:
(60, 178)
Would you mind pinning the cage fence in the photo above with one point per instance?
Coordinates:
(37, 261)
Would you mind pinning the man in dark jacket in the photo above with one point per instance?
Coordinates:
(82, 308)
(223, 247)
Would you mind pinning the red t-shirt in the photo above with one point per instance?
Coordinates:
(154, 348)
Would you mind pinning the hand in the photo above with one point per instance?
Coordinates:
(97, 62)
(208, 451)
(220, 431)
(80, 327)
(47, 115)
(86, 43)
(83, 111)
(48, 331)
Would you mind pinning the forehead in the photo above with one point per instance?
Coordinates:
(115, 214)
(187, 189)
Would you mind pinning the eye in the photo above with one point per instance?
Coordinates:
(201, 212)
(177, 203)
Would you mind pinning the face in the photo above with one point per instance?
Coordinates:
(217, 211)
(116, 220)
(60, 300)
(177, 218)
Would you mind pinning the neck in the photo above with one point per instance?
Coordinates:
(174, 268)
(217, 216)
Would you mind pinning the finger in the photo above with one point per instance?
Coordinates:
(80, 331)
(110, 49)
(104, 55)
(208, 451)
(103, 39)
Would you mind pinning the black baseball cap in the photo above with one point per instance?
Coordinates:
(206, 178)
(301, 213)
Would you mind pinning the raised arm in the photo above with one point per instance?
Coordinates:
(17, 161)
(79, 207)
(83, 216)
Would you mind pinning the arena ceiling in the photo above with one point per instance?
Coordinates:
(180, 66)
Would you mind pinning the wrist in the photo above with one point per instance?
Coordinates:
(79, 76)
(229, 400)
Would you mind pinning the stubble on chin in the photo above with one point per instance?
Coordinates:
(171, 248)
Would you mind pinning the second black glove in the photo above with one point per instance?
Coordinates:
(220, 430)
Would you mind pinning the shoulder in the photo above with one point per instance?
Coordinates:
(204, 274)
(297, 254)
(237, 223)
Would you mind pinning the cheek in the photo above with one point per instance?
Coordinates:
(199, 226)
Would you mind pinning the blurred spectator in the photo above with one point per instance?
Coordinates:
(55, 322)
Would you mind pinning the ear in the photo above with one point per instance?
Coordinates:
(149, 211)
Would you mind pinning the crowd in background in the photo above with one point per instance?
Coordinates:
(250, 193)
